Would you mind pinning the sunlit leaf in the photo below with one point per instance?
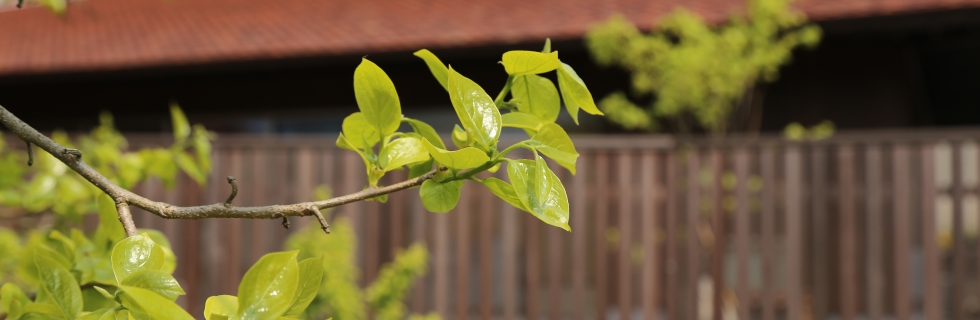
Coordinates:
(460, 137)
(529, 62)
(521, 120)
(60, 287)
(146, 304)
(536, 95)
(539, 190)
(376, 97)
(574, 92)
(182, 128)
(440, 196)
(13, 300)
(310, 275)
(401, 152)
(134, 254)
(109, 219)
(438, 69)
(269, 286)
(426, 131)
(464, 158)
(157, 281)
(101, 314)
(553, 142)
(220, 306)
(505, 191)
(475, 109)
(359, 132)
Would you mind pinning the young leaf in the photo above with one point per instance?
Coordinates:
(146, 304)
(400, 152)
(529, 62)
(269, 286)
(109, 219)
(440, 196)
(59, 287)
(169, 258)
(44, 251)
(460, 137)
(438, 69)
(426, 131)
(539, 190)
(464, 158)
(521, 120)
(182, 129)
(376, 97)
(574, 92)
(360, 134)
(103, 292)
(418, 169)
(101, 314)
(310, 275)
(503, 190)
(220, 306)
(476, 110)
(134, 254)
(536, 95)
(13, 300)
(42, 311)
(157, 281)
(553, 142)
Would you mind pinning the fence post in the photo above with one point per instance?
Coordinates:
(794, 232)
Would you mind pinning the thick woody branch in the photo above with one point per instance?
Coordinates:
(125, 198)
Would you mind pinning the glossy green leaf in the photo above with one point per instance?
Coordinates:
(146, 304)
(220, 306)
(419, 169)
(182, 128)
(521, 120)
(536, 95)
(269, 286)
(539, 190)
(505, 191)
(377, 98)
(438, 68)
(475, 109)
(460, 137)
(359, 132)
(157, 281)
(109, 218)
(59, 286)
(13, 300)
(464, 158)
(101, 314)
(401, 152)
(39, 308)
(554, 142)
(440, 196)
(529, 62)
(134, 254)
(426, 131)
(310, 275)
(574, 92)
(94, 299)
(169, 258)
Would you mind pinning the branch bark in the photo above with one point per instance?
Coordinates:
(124, 198)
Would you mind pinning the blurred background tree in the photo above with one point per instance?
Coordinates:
(700, 77)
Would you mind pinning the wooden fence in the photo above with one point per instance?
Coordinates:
(866, 224)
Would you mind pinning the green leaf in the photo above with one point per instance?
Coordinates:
(464, 158)
(182, 129)
(13, 300)
(553, 142)
(186, 162)
(536, 95)
(475, 109)
(505, 191)
(540, 191)
(103, 292)
(109, 219)
(101, 314)
(574, 92)
(311, 274)
(157, 281)
(418, 169)
(59, 286)
(460, 137)
(269, 286)
(67, 244)
(43, 309)
(521, 120)
(400, 152)
(547, 46)
(44, 251)
(520, 62)
(359, 132)
(440, 197)
(426, 131)
(134, 254)
(146, 304)
(438, 68)
(220, 306)
(376, 97)
(169, 258)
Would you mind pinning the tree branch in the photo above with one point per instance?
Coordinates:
(124, 198)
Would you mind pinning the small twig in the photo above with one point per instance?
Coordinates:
(20, 3)
(285, 222)
(30, 154)
(319, 216)
(234, 192)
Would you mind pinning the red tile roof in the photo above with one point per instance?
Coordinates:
(121, 34)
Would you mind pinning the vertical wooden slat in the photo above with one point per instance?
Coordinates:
(579, 208)
(874, 233)
(370, 241)
(671, 273)
(441, 266)
(820, 267)
(718, 228)
(794, 233)
(848, 233)
(462, 215)
(257, 184)
(510, 233)
(555, 259)
(767, 167)
(396, 207)
(932, 277)
(901, 173)
(625, 189)
(420, 232)
(693, 226)
(353, 175)
(487, 205)
(192, 247)
(742, 220)
(959, 245)
(532, 269)
(601, 245)
(651, 197)
(234, 229)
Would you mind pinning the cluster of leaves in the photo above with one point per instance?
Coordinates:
(797, 132)
(533, 107)
(339, 295)
(695, 69)
(49, 185)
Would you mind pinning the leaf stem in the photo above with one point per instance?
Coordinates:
(469, 174)
(509, 149)
(503, 92)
